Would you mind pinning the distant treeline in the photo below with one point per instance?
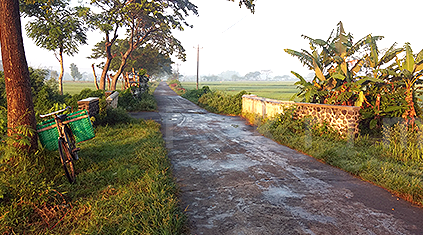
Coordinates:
(264, 75)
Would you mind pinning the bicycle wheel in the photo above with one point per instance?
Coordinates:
(70, 139)
(67, 160)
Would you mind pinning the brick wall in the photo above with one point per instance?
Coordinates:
(342, 118)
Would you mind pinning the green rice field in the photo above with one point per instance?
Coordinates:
(271, 90)
(73, 88)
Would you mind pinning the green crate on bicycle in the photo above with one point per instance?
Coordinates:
(78, 121)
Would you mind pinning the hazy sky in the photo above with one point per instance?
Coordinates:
(232, 38)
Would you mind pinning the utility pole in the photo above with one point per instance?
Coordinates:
(177, 72)
(198, 63)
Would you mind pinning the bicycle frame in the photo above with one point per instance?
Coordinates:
(66, 143)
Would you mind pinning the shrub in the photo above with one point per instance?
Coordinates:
(394, 164)
(194, 95)
(403, 142)
(85, 93)
(142, 102)
(221, 102)
(176, 86)
(112, 117)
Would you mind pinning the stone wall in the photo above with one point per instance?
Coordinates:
(342, 118)
(91, 104)
(112, 99)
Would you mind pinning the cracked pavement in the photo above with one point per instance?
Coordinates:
(235, 181)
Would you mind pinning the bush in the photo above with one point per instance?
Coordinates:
(194, 95)
(394, 164)
(85, 93)
(403, 142)
(176, 86)
(112, 116)
(45, 94)
(221, 102)
(141, 102)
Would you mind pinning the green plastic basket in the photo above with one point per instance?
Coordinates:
(80, 125)
(78, 121)
(48, 135)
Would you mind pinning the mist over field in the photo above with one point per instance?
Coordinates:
(230, 75)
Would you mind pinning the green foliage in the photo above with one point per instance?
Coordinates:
(213, 101)
(85, 93)
(56, 27)
(221, 102)
(124, 185)
(356, 74)
(176, 86)
(146, 57)
(110, 117)
(141, 102)
(25, 189)
(194, 95)
(146, 23)
(75, 72)
(45, 95)
(403, 142)
(3, 121)
(281, 90)
(394, 164)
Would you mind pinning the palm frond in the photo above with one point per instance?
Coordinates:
(408, 62)
(304, 57)
(419, 61)
(390, 54)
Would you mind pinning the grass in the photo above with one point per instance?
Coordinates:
(371, 161)
(396, 166)
(124, 185)
(271, 90)
(73, 88)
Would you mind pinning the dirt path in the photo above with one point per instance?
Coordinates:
(235, 181)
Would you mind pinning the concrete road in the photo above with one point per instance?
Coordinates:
(235, 181)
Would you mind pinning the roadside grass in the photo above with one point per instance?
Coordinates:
(394, 163)
(371, 161)
(124, 185)
(271, 90)
(73, 88)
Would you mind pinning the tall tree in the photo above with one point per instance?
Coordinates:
(20, 107)
(16, 70)
(152, 22)
(410, 70)
(57, 28)
(108, 21)
(117, 14)
(75, 74)
(334, 62)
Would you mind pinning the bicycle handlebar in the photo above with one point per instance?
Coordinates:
(55, 112)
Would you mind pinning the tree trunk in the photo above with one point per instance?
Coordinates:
(95, 78)
(62, 70)
(108, 46)
(410, 113)
(20, 107)
(121, 68)
(106, 66)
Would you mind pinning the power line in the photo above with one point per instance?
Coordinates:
(235, 24)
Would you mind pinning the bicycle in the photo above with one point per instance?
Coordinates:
(66, 143)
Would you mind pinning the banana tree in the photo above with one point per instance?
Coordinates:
(410, 70)
(335, 63)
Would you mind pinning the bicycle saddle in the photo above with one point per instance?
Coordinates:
(62, 117)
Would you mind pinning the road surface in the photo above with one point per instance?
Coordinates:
(235, 181)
